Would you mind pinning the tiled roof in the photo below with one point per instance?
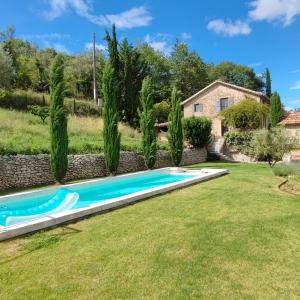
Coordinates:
(291, 119)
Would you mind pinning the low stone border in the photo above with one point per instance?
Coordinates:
(21, 171)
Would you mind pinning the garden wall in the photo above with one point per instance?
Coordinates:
(32, 170)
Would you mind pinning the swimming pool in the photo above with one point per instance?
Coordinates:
(24, 212)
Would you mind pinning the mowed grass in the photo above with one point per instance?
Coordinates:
(23, 133)
(234, 237)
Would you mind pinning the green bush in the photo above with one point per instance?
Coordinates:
(197, 131)
(161, 111)
(286, 170)
(248, 114)
(240, 140)
(20, 100)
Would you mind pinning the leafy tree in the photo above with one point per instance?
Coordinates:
(268, 84)
(236, 74)
(248, 114)
(114, 59)
(40, 111)
(147, 121)
(132, 73)
(58, 124)
(276, 109)
(6, 67)
(161, 111)
(197, 130)
(271, 145)
(158, 68)
(111, 136)
(175, 128)
(188, 71)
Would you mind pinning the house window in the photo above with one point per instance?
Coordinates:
(224, 103)
(198, 107)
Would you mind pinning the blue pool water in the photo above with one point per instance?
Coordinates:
(85, 194)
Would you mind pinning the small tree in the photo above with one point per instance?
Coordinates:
(111, 136)
(271, 145)
(276, 109)
(175, 128)
(161, 111)
(147, 121)
(197, 131)
(248, 114)
(58, 124)
(40, 111)
(268, 84)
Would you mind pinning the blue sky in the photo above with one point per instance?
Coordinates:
(257, 33)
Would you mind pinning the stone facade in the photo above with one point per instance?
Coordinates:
(32, 170)
(209, 99)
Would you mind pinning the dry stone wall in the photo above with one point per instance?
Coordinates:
(21, 171)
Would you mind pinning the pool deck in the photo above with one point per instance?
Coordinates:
(74, 214)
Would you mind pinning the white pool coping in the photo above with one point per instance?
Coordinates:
(8, 232)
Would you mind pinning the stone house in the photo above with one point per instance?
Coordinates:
(216, 97)
(291, 121)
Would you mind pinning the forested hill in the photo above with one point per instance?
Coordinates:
(25, 66)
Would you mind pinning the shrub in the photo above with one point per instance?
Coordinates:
(240, 140)
(161, 111)
(247, 114)
(147, 121)
(286, 170)
(271, 145)
(175, 136)
(20, 100)
(111, 135)
(197, 131)
(58, 125)
(40, 111)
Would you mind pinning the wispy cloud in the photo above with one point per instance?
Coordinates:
(256, 64)
(297, 101)
(46, 36)
(159, 43)
(284, 11)
(229, 28)
(295, 86)
(134, 17)
(186, 35)
(295, 71)
(89, 46)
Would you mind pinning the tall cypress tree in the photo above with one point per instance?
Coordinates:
(132, 74)
(276, 109)
(147, 120)
(58, 120)
(268, 84)
(114, 59)
(175, 128)
(111, 136)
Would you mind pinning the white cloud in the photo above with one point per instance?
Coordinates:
(89, 46)
(284, 11)
(297, 101)
(46, 36)
(159, 43)
(60, 48)
(256, 64)
(186, 35)
(295, 71)
(229, 28)
(295, 86)
(134, 17)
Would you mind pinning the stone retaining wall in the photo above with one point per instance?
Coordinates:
(32, 170)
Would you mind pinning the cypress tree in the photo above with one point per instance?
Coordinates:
(58, 120)
(111, 136)
(114, 59)
(268, 84)
(175, 128)
(276, 109)
(147, 120)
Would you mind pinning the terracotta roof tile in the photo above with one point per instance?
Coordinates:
(291, 119)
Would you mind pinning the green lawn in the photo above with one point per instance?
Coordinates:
(235, 237)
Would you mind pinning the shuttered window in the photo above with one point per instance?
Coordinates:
(198, 107)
